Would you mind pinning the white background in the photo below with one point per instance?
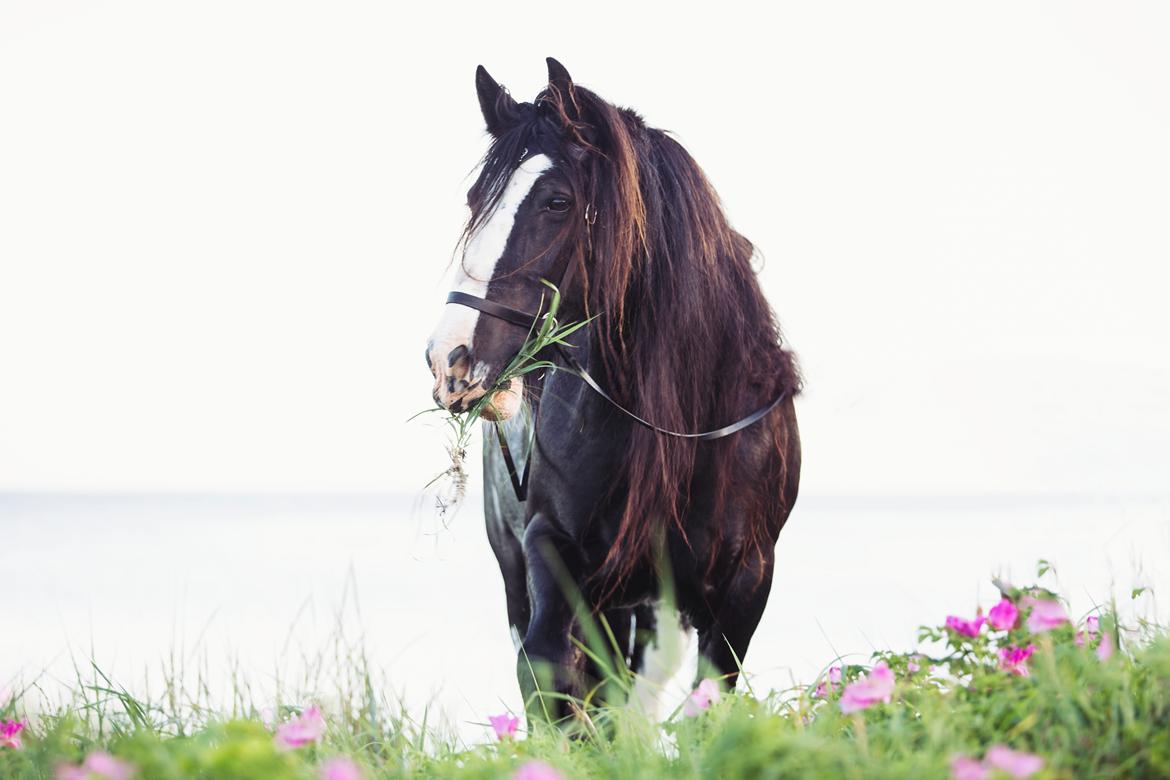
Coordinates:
(224, 226)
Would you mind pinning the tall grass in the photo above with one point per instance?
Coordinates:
(1084, 712)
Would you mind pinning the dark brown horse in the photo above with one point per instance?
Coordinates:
(576, 189)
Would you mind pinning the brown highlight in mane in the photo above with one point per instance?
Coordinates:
(686, 337)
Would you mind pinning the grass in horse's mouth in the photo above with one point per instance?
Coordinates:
(545, 332)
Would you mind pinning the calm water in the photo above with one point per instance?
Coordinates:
(261, 582)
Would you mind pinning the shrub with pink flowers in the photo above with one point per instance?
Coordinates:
(1020, 619)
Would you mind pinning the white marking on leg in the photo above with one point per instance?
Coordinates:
(662, 659)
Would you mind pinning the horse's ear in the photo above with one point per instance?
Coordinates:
(498, 107)
(561, 83)
(559, 77)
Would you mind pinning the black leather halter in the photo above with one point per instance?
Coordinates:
(525, 320)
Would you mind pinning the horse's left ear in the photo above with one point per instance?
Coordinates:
(558, 77)
(560, 83)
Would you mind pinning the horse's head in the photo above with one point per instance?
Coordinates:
(527, 223)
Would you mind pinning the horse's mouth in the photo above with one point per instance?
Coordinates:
(505, 402)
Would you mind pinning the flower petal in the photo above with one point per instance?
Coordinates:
(878, 686)
(1105, 648)
(1016, 764)
(10, 733)
(537, 770)
(967, 768)
(300, 731)
(965, 627)
(504, 725)
(1003, 616)
(1046, 615)
(340, 768)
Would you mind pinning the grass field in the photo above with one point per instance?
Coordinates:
(1025, 690)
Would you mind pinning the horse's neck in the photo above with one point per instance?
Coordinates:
(579, 436)
(563, 395)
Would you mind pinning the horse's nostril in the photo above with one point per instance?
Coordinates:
(460, 352)
(427, 356)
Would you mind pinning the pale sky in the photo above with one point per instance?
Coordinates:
(224, 226)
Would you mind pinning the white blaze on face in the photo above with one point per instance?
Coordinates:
(483, 253)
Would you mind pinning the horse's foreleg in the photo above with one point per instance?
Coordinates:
(617, 642)
(725, 634)
(510, 555)
(504, 516)
(548, 661)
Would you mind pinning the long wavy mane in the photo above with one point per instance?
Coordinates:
(686, 336)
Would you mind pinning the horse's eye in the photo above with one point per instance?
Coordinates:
(558, 205)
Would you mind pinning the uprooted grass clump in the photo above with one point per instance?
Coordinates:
(1024, 690)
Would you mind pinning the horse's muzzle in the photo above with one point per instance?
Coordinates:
(456, 388)
(460, 383)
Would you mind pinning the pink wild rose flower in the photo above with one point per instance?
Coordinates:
(966, 627)
(701, 698)
(10, 733)
(828, 686)
(504, 725)
(537, 770)
(1090, 631)
(1105, 648)
(1015, 659)
(97, 764)
(340, 768)
(1003, 616)
(1046, 615)
(967, 768)
(878, 686)
(1014, 763)
(300, 731)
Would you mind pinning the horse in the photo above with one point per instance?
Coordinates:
(626, 510)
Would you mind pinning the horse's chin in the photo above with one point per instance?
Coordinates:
(505, 403)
